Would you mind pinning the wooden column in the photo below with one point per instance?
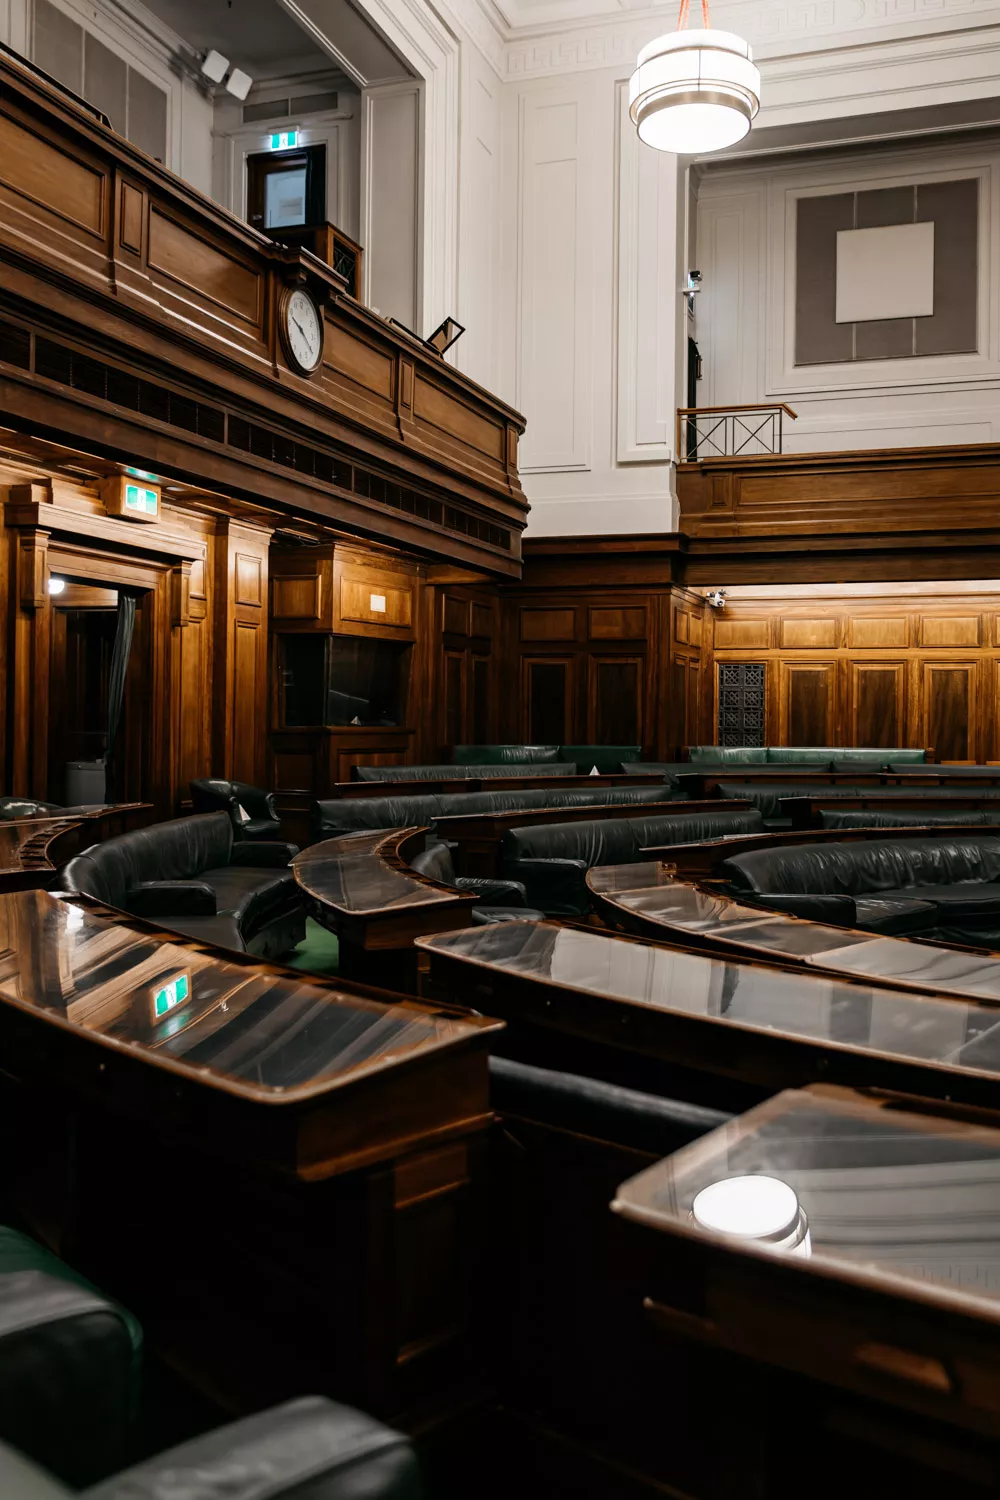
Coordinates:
(28, 684)
(239, 678)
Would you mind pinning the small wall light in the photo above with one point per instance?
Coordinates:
(716, 598)
(56, 585)
(239, 83)
(215, 66)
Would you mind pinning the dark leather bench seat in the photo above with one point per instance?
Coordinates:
(551, 860)
(309, 1449)
(956, 879)
(449, 772)
(352, 814)
(818, 756)
(768, 797)
(881, 817)
(190, 875)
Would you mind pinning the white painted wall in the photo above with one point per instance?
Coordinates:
(745, 314)
(390, 200)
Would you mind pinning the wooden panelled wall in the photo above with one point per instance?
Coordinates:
(196, 691)
(881, 669)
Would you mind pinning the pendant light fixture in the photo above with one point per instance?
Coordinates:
(694, 91)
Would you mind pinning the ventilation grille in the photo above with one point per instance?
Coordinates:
(82, 372)
(282, 109)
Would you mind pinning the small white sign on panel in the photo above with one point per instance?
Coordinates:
(885, 273)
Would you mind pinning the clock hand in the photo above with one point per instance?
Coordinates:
(299, 326)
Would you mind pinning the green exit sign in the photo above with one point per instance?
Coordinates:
(140, 501)
(283, 140)
(170, 996)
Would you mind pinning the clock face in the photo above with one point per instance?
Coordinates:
(303, 330)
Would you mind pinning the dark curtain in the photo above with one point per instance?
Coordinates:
(116, 683)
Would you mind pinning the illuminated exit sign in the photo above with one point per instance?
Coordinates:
(141, 501)
(170, 995)
(283, 140)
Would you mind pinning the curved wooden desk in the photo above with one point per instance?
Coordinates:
(31, 849)
(729, 1031)
(361, 887)
(274, 1171)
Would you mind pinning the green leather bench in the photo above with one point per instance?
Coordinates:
(609, 759)
(800, 755)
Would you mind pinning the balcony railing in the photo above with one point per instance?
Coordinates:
(730, 431)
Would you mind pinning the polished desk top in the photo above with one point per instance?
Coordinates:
(25, 842)
(668, 907)
(904, 1201)
(704, 1012)
(237, 1025)
(361, 873)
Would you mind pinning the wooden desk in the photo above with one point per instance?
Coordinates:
(617, 1004)
(281, 1175)
(649, 900)
(361, 887)
(31, 849)
(895, 1297)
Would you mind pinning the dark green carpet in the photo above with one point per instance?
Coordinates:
(319, 951)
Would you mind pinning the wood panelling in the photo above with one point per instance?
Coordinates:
(615, 697)
(628, 624)
(742, 635)
(297, 597)
(809, 634)
(240, 687)
(950, 630)
(483, 618)
(878, 703)
(433, 405)
(891, 632)
(373, 601)
(808, 703)
(130, 229)
(546, 694)
(360, 361)
(455, 613)
(949, 698)
(72, 189)
(547, 624)
(203, 268)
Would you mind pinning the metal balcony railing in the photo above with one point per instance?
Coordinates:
(730, 431)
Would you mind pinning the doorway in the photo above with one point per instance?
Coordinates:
(84, 623)
(286, 189)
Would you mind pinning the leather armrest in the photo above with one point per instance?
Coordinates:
(312, 1446)
(67, 1367)
(161, 898)
(272, 855)
(840, 910)
(494, 892)
(556, 886)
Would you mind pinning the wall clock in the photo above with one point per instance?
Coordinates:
(301, 325)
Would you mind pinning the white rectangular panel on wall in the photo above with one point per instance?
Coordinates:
(648, 297)
(555, 293)
(477, 353)
(730, 307)
(389, 188)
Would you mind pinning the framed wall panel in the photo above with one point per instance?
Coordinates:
(546, 696)
(615, 700)
(949, 708)
(878, 703)
(808, 713)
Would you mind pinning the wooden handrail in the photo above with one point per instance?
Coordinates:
(691, 411)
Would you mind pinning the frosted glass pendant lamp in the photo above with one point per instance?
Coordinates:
(694, 91)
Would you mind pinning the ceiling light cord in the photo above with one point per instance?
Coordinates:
(684, 13)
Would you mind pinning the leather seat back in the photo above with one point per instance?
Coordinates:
(864, 868)
(176, 850)
(505, 755)
(836, 817)
(435, 862)
(463, 773)
(618, 841)
(350, 814)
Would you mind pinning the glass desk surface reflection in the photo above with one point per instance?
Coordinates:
(885, 1194)
(652, 892)
(954, 1034)
(240, 1025)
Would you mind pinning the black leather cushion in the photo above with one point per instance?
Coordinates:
(177, 850)
(881, 817)
(435, 861)
(552, 859)
(908, 867)
(311, 1449)
(252, 811)
(251, 895)
(69, 1364)
(894, 915)
(350, 814)
(462, 773)
(505, 755)
(959, 901)
(605, 1111)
